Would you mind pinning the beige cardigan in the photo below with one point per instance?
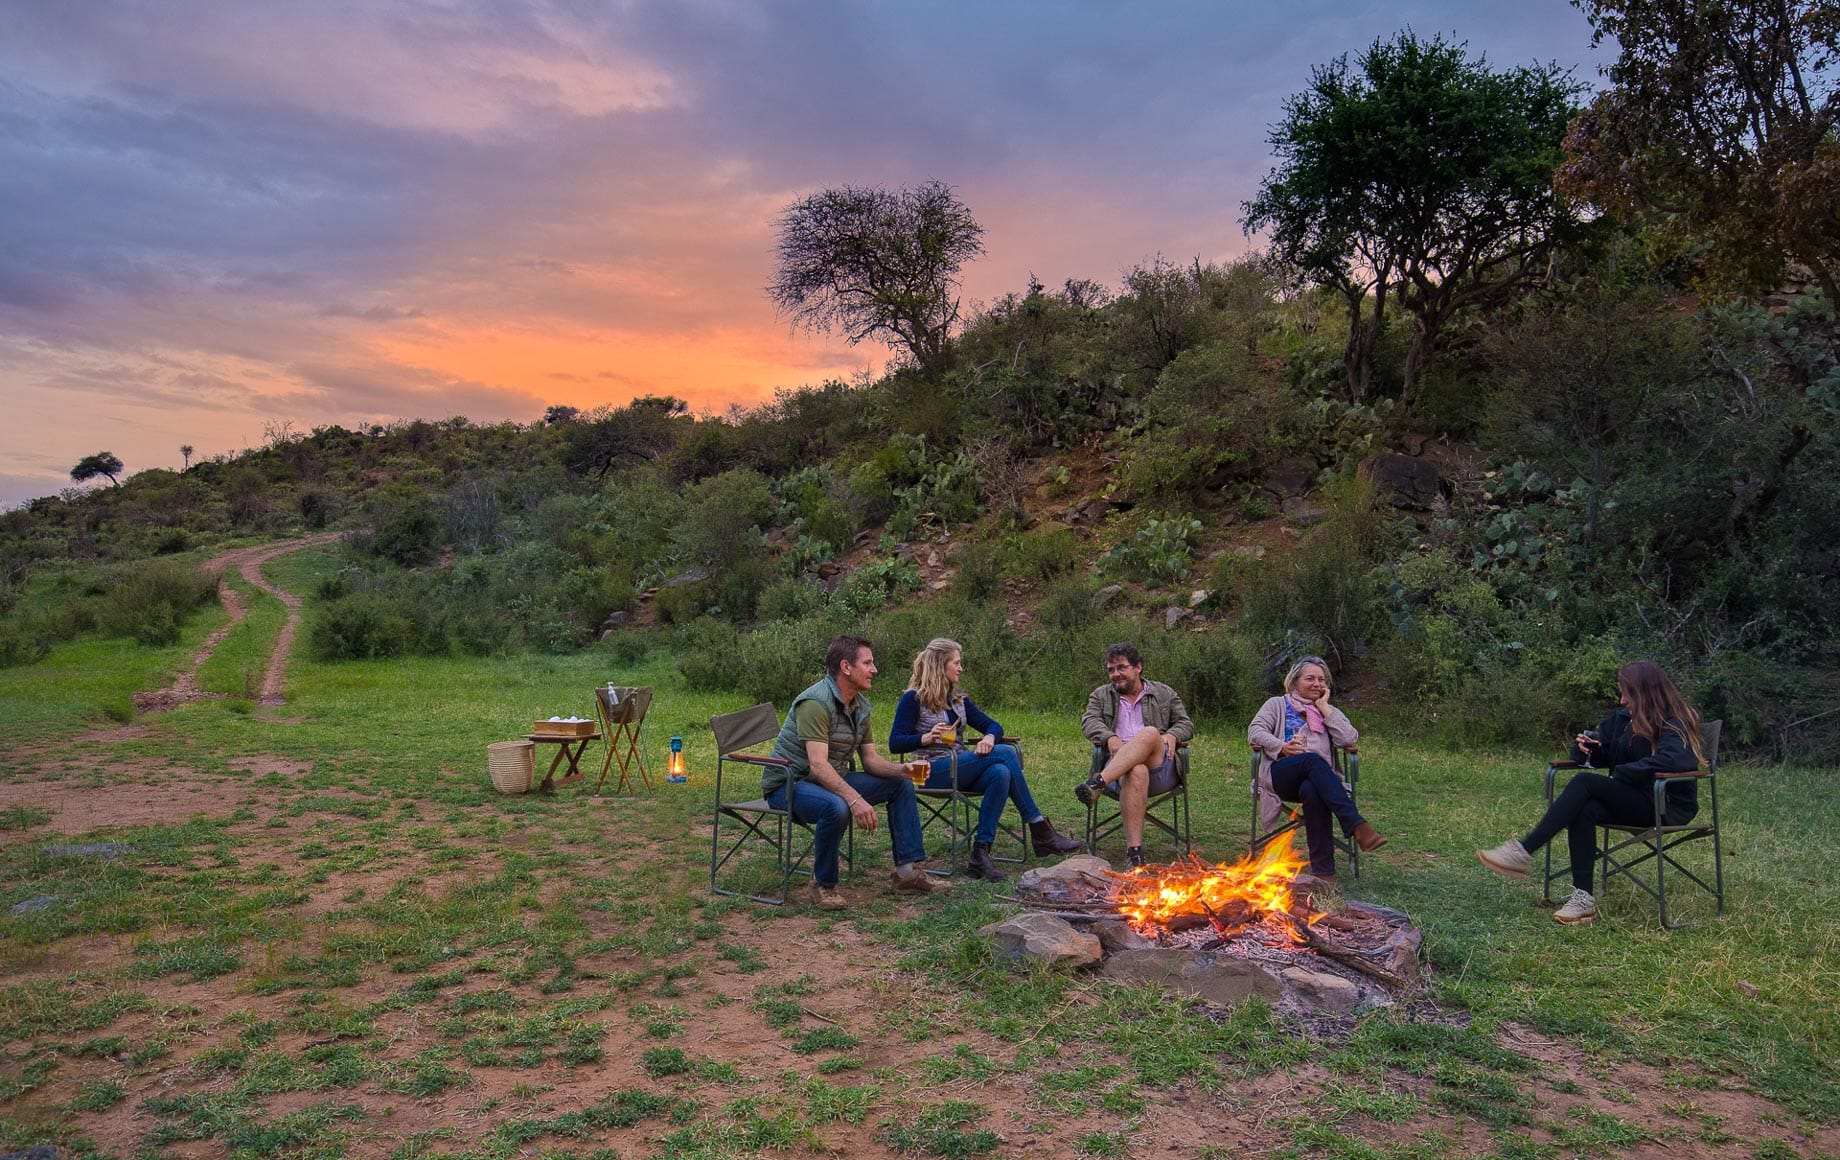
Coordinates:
(1266, 733)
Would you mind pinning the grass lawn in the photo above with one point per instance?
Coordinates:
(324, 934)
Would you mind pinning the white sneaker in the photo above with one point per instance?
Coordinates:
(1579, 909)
(1510, 859)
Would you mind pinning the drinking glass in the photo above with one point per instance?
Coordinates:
(917, 771)
(1591, 750)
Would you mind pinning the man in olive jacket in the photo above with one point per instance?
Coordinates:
(1140, 723)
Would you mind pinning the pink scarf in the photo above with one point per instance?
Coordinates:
(1312, 716)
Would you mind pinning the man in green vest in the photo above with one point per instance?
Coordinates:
(826, 730)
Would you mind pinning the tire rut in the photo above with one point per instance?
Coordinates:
(248, 562)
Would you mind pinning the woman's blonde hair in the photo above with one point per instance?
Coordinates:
(929, 680)
(1291, 678)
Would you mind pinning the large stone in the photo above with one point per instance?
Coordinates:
(104, 850)
(1224, 982)
(1043, 938)
(1300, 512)
(1074, 881)
(1292, 476)
(1106, 595)
(1174, 615)
(33, 905)
(1115, 934)
(1321, 991)
(1407, 482)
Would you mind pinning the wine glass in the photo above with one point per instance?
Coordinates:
(1589, 750)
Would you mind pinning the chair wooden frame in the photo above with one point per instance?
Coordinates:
(757, 820)
(958, 810)
(1347, 765)
(622, 721)
(1178, 826)
(1656, 841)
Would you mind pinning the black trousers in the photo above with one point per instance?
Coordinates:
(1588, 801)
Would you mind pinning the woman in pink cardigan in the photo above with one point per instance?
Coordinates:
(1295, 734)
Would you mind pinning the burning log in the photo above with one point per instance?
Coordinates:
(1374, 940)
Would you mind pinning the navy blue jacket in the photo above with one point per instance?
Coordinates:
(1632, 761)
(904, 732)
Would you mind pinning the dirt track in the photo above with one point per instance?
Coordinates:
(249, 562)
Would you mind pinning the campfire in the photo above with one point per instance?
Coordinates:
(1228, 897)
(1263, 908)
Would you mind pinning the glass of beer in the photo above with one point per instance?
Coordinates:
(917, 771)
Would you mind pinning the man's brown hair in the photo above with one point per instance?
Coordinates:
(844, 648)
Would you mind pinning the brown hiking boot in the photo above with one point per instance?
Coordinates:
(920, 882)
(1368, 838)
(1047, 840)
(826, 897)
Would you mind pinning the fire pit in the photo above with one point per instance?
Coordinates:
(1262, 923)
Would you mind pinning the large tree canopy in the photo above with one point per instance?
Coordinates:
(871, 261)
(102, 463)
(1721, 126)
(1418, 174)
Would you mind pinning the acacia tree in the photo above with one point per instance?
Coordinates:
(185, 449)
(101, 463)
(870, 261)
(1422, 176)
(1722, 127)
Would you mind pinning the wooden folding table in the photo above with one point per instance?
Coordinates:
(622, 711)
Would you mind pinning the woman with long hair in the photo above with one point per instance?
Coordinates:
(930, 722)
(1654, 732)
(1295, 735)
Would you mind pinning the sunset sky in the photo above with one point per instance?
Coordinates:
(222, 215)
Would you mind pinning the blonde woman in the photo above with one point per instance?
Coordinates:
(930, 722)
(1655, 732)
(1295, 733)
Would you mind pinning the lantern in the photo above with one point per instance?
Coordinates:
(674, 767)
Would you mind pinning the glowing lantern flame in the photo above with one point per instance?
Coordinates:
(1252, 887)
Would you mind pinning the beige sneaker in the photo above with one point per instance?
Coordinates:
(920, 882)
(1510, 859)
(826, 897)
(1578, 910)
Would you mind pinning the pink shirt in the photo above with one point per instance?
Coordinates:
(1130, 716)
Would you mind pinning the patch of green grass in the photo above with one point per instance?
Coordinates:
(22, 817)
(97, 1095)
(944, 1130)
(1104, 1144)
(825, 1039)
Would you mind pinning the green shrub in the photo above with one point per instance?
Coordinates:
(980, 570)
(873, 584)
(1067, 605)
(360, 626)
(1329, 588)
(1160, 552)
(407, 529)
(739, 587)
(1218, 674)
(778, 660)
(682, 603)
(1044, 555)
(152, 601)
(790, 599)
(706, 655)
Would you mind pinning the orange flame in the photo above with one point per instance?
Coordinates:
(1194, 887)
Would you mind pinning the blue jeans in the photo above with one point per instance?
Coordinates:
(998, 776)
(1307, 779)
(827, 815)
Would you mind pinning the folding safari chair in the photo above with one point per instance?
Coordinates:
(1657, 841)
(1270, 810)
(753, 819)
(958, 811)
(1104, 816)
(622, 712)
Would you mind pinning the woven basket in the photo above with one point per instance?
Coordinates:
(511, 764)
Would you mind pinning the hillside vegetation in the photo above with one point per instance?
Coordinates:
(1619, 470)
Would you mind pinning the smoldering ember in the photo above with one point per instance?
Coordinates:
(1224, 932)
